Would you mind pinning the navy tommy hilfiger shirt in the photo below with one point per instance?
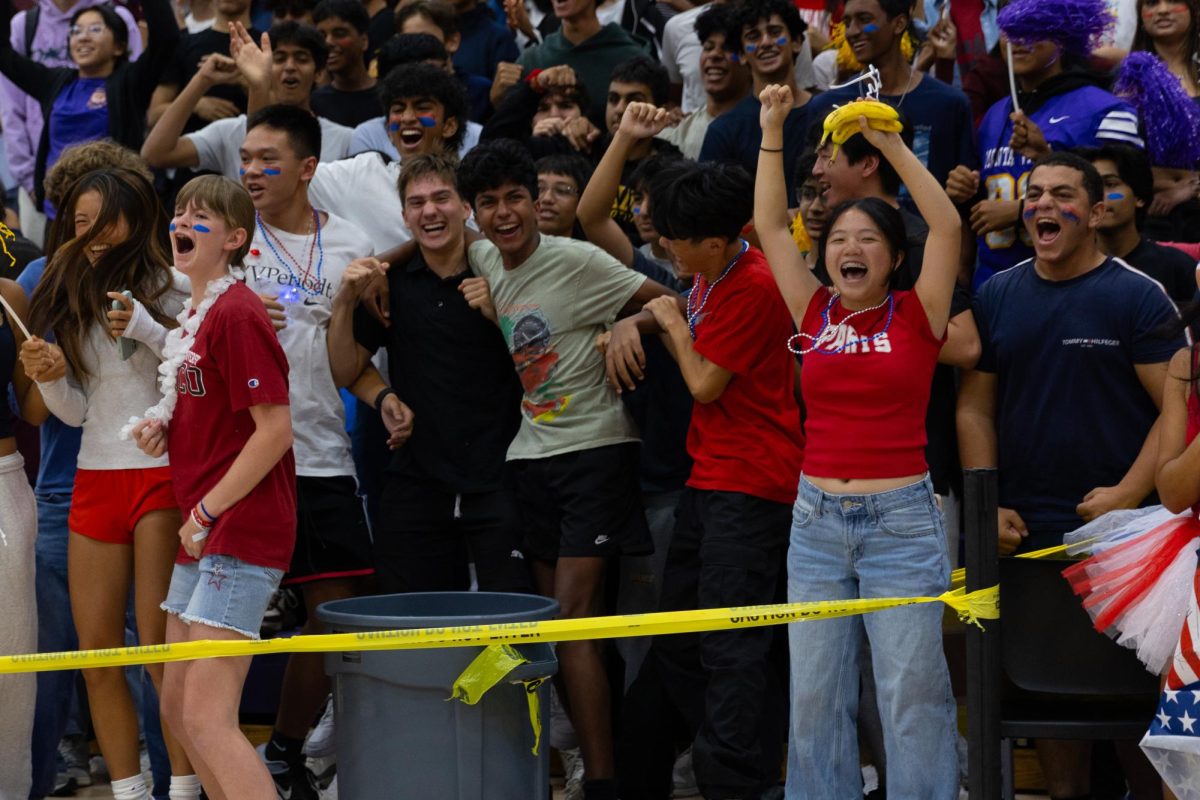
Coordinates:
(1071, 414)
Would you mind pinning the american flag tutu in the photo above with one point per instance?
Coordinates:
(1138, 583)
(1173, 742)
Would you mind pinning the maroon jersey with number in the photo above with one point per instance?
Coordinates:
(235, 363)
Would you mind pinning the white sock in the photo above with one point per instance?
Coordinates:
(133, 788)
(184, 787)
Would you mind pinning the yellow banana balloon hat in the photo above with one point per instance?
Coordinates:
(842, 122)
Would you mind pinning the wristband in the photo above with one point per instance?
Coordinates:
(383, 395)
(199, 537)
(211, 517)
(200, 521)
(532, 80)
(771, 149)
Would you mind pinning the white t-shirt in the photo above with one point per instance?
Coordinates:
(363, 190)
(681, 56)
(322, 446)
(219, 144)
(688, 135)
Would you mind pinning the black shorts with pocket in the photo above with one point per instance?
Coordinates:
(332, 537)
(586, 503)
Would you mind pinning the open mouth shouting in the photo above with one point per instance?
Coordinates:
(182, 242)
(411, 136)
(1047, 230)
(853, 273)
(508, 233)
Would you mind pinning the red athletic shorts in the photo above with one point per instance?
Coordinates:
(107, 503)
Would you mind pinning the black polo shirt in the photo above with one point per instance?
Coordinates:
(451, 366)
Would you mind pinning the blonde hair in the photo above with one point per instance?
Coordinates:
(225, 198)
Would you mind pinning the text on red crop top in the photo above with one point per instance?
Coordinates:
(866, 404)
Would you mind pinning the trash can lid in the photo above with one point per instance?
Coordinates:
(434, 609)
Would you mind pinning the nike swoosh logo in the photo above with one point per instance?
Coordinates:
(1056, 120)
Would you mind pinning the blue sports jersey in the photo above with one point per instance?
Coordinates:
(1083, 117)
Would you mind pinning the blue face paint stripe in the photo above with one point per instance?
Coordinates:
(270, 171)
(201, 229)
(750, 48)
(1114, 196)
(394, 126)
(171, 227)
(427, 122)
(781, 41)
(870, 27)
(241, 171)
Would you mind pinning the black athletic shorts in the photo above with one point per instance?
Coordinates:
(585, 503)
(332, 537)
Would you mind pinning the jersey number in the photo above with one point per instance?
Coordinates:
(190, 381)
(1003, 187)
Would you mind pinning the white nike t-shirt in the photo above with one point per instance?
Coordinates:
(306, 289)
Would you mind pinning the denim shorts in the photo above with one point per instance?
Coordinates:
(222, 592)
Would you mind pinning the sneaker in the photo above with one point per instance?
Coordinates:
(330, 791)
(319, 743)
(572, 762)
(75, 754)
(683, 779)
(292, 781)
(64, 786)
(282, 614)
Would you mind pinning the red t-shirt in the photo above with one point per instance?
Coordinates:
(236, 363)
(866, 405)
(749, 439)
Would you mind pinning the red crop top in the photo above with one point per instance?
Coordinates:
(866, 404)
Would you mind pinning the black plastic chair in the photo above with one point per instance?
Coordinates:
(1064, 680)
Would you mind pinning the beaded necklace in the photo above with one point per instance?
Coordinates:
(693, 314)
(306, 280)
(826, 334)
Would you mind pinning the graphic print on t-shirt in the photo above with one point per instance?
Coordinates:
(845, 336)
(528, 333)
(190, 380)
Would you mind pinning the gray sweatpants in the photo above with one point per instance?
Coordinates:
(18, 625)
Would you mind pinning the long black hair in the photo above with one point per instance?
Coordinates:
(70, 298)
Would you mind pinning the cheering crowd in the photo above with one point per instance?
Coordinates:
(640, 306)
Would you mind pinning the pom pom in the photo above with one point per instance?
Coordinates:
(1077, 26)
(1169, 118)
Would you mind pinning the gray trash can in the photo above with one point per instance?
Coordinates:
(398, 736)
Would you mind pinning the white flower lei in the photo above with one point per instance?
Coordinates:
(177, 349)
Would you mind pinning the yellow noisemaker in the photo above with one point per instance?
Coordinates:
(842, 122)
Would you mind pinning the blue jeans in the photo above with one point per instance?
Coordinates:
(56, 632)
(888, 544)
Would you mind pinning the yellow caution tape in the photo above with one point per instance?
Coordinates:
(971, 607)
(958, 577)
(491, 666)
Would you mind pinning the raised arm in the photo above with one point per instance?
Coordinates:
(939, 269)
(795, 280)
(254, 63)
(166, 146)
(29, 401)
(641, 121)
(26, 74)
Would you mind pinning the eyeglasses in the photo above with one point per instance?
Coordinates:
(560, 190)
(95, 29)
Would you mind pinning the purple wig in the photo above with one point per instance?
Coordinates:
(1169, 118)
(1075, 25)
